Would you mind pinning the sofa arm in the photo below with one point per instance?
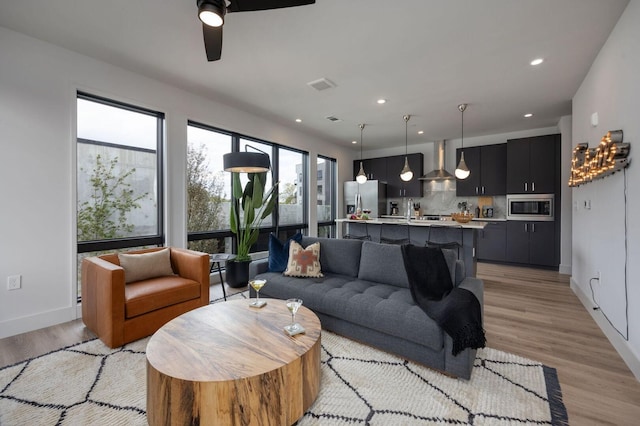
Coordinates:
(193, 265)
(103, 299)
(476, 286)
(258, 267)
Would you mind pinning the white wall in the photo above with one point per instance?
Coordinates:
(38, 83)
(602, 240)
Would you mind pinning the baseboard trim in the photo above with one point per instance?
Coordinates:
(620, 345)
(564, 269)
(35, 322)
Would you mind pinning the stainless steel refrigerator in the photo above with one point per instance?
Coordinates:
(373, 194)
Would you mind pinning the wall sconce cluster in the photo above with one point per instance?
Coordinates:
(610, 156)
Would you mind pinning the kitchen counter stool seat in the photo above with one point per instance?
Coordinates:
(435, 242)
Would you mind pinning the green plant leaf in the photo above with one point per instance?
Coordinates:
(258, 190)
(232, 218)
(237, 185)
(249, 212)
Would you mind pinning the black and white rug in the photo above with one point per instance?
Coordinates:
(90, 384)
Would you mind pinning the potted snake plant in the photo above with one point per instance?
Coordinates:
(249, 207)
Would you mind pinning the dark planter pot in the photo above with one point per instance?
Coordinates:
(237, 274)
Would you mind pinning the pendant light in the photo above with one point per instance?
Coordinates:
(462, 171)
(406, 174)
(361, 177)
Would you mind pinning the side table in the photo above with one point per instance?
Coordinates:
(218, 259)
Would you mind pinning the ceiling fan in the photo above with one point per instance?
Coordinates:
(211, 13)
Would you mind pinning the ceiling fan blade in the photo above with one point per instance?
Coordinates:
(212, 42)
(251, 5)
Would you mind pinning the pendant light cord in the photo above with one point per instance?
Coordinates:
(406, 137)
(462, 128)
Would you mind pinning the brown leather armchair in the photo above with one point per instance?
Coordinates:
(120, 313)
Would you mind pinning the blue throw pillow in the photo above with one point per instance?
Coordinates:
(279, 252)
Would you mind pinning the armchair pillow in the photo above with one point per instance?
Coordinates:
(142, 266)
(304, 262)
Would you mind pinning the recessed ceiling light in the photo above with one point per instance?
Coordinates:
(421, 132)
(354, 142)
(298, 120)
(382, 101)
(537, 61)
(528, 115)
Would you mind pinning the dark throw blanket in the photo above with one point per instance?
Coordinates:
(456, 310)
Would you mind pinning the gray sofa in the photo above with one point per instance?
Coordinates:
(365, 295)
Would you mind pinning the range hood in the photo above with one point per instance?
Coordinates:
(439, 173)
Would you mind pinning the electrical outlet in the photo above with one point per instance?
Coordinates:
(599, 275)
(14, 282)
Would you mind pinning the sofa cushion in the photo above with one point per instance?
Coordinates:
(304, 262)
(382, 263)
(146, 296)
(337, 255)
(279, 252)
(142, 266)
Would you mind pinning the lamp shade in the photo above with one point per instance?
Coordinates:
(361, 177)
(462, 171)
(406, 174)
(246, 162)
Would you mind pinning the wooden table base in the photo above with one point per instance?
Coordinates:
(229, 364)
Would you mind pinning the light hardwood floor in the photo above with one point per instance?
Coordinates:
(529, 312)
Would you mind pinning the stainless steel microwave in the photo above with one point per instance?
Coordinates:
(530, 207)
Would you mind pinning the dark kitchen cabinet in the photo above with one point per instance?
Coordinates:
(492, 241)
(469, 186)
(374, 168)
(532, 243)
(396, 187)
(387, 169)
(488, 167)
(533, 165)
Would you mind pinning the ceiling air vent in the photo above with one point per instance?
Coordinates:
(332, 118)
(321, 84)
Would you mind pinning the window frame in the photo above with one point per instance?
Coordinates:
(334, 175)
(275, 227)
(158, 239)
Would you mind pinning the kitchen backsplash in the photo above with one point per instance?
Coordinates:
(446, 202)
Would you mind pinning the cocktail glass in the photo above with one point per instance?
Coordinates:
(293, 305)
(257, 285)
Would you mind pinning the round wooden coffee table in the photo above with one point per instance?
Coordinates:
(230, 364)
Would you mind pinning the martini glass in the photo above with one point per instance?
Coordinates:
(257, 285)
(293, 305)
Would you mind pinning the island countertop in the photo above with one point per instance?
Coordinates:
(474, 224)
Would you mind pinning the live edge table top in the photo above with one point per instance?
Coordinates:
(229, 363)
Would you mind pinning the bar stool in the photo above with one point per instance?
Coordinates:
(386, 239)
(365, 236)
(218, 259)
(437, 243)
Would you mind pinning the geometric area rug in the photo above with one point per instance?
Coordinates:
(91, 384)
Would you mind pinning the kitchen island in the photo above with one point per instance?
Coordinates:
(418, 231)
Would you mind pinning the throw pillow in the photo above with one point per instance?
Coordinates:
(279, 252)
(304, 262)
(143, 266)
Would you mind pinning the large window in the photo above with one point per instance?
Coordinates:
(119, 179)
(209, 188)
(326, 205)
(291, 195)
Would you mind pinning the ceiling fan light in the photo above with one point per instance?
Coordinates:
(406, 174)
(462, 171)
(211, 13)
